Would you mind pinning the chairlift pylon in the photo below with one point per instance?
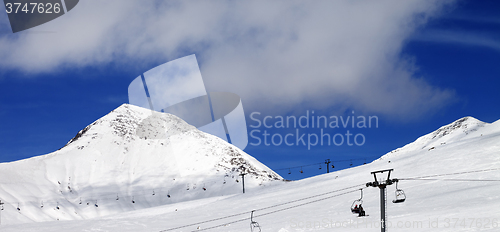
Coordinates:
(400, 195)
(253, 224)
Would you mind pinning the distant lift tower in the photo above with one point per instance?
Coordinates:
(382, 184)
(327, 162)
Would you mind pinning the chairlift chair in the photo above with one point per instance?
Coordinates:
(357, 203)
(400, 195)
(254, 226)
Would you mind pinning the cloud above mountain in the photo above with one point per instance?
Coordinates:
(279, 55)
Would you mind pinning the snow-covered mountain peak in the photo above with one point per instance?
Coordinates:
(464, 128)
(130, 122)
(131, 158)
(464, 125)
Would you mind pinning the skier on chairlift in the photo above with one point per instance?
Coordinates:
(361, 211)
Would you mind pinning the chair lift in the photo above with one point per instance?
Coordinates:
(333, 166)
(80, 201)
(133, 202)
(289, 171)
(400, 195)
(204, 189)
(117, 198)
(301, 170)
(154, 192)
(168, 194)
(254, 225)
(320, 167)
(96, 204)
(57, 206)
(18, 209)
(357, 203)
(41, 206)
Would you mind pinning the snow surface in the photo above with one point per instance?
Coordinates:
(131, 154)
(432, 205)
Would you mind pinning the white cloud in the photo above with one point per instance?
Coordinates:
(277, 55)
(460, 37)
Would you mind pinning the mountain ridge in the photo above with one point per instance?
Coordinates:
(463, 128)
(140, 157)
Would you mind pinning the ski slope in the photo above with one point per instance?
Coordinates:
(466, 149)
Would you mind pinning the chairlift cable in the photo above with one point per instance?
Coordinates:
(479, 180)
(320, 163)
(276, 211)
(273, 206)
(451, 174)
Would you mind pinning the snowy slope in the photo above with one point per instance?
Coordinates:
(463, 128)
(320, 204)
(131, 154)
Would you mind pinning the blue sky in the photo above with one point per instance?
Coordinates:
(417, 66)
